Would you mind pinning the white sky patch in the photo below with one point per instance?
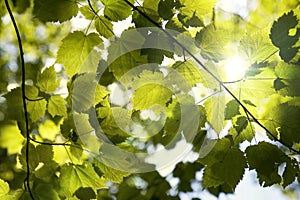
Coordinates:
(166, 160)
(235, 68)
(240, 7)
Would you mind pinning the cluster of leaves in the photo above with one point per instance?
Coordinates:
(48, 149)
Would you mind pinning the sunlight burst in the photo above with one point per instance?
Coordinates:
(235, 68)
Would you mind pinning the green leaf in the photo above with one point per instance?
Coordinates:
(242, 130)
(100, 94)
(189, 71)
(257, 47)
(11, 138)
(36, 109)
(241, 123)
(249, 103)
(109, 173)
(124, 63)
(73, 177)
(186, 172)
(212, 42)
(46, 81)
(115, 123)
(83, 92)
(215, 107)
(57, 106)
(87, 13)
(225, 165)
(150, 94)
(40, 153)
(165, 9)
(116, 10)
(232, 109)
(282, 39)
(54, 10)
(48, 130)
(14, 104)
(265, 158)
(282, 121)
(201, 8)
(75, 52)
(4, 188)
(104, 27)
(290, 172)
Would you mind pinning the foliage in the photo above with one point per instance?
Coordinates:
(73, 140)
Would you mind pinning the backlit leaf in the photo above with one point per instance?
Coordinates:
(46, 81)
(79, 57)
(36, 109)
(116, 10)
(57, 106)
(73, 177)
(104, 27)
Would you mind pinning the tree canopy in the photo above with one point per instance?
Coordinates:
(100, 110)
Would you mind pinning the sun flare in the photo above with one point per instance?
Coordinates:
(235, 68)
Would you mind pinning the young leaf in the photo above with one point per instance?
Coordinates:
(212, 42)
(149, 95)
(215, 107)
(72, 177)
(11, 138)
(110, 173)
(36, 109)
(83, 93)
(48, 130)
(201, 8)
(75, 50)
(189, 71)
(104, 27)
(4, 189)
(116, 10)
(57, 106)
(55, 10)
(46, 81)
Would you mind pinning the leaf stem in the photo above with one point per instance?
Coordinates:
(211, 74)
(27, 179)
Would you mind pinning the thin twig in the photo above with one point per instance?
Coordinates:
(211, 74)
(96, 14)
(27, 179)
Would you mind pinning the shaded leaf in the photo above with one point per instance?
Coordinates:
(54, 10)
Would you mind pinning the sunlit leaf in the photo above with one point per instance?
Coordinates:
(75, 176)
(82, 45)
(116, 10)
(57, 106)
(47, 80)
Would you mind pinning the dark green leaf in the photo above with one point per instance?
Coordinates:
(55, 10)
(232, 109)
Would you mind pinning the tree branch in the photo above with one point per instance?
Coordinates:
(27, 179)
